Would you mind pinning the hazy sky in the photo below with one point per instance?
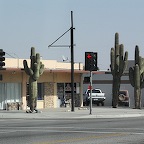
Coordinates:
(38, 23)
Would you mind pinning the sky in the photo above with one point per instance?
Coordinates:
(38, 23)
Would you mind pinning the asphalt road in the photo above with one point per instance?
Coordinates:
(75, 131)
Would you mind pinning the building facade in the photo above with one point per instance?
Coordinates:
(53, 84)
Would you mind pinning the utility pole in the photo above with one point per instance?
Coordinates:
(72, 58)
(72, 64)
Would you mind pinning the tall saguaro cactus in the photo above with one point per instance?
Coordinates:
(136, 77)
(118, 66)
(36, 69)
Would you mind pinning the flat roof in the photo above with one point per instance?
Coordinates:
(56, 70)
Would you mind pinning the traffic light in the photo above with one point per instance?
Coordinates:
(91, 61)
(2, 58)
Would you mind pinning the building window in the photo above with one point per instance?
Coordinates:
(60, 90)
(64, 90)
(40, 91)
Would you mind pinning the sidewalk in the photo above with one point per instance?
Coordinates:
(79, 113)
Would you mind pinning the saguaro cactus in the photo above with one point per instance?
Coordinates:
(118, 66)
(136, 77)
(36, 69)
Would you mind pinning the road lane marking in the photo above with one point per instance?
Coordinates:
(82, 139)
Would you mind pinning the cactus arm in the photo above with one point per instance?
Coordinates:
(38, 58)
(131, 76)
(125, 61)
(116, 59)
(41, 69)
(27, 69)
(142, 85)
(121, 51)
(137, 76)
(142, 80)
(136, 55)
(112, 59)
(121, 62)
(141, 64)
(126, 56)
(32, 57)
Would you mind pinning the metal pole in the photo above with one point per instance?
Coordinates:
(72, 64)
(90, 92)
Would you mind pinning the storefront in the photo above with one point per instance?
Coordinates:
(53, 85)
(64, 92)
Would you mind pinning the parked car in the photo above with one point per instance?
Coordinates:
(98, 97)
(123, 98)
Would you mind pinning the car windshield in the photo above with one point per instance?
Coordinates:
(94, 91)
(122, 92)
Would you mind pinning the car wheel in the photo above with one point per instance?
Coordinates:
(127, 104)
(87, 103)
(84, 103)
(102, 103)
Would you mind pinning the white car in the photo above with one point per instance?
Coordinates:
(98, 97)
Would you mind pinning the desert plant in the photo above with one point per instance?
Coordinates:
(36, 69)
(136, 77)
(118, 66)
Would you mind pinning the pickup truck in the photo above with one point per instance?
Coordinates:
(98, 97)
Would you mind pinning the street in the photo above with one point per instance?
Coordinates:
(72, 131)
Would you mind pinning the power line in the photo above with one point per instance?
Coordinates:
(10, 55)
(58, 39)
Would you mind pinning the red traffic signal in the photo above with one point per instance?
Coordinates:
(89, 56)
(91, 61)
(88, 60)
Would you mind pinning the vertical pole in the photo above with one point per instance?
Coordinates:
(72, 64)
(90, 92)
